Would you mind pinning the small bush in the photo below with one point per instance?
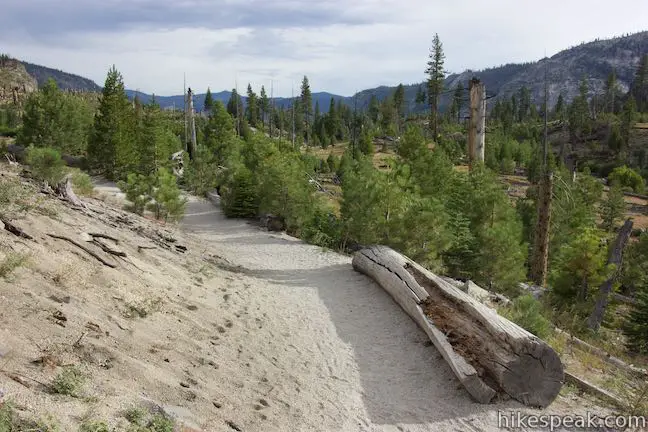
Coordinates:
(628, 178)
(142, 421)
(69, 381)
(168, 202)
(11, 262)
(94, 426)
(526, 312)
(46, 165)
(82, 183)
(6, 417)
(137, 188)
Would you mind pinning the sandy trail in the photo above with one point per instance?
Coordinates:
(352, 359)
(302, 342)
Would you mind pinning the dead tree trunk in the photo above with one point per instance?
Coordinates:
(477, 125)
(64, 189)
(487, 353)
(540, 255)
(616, 258)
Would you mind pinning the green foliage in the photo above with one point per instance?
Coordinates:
(613, 208)
(527, 312)
(436, 75)
(239, 197)
(111, 149)
(137, 188)
(142, 421)
(7, 417)
(11, 262)
(636, 329)
(627, 178)
(201, 175)
(69, 381)
(82, 183)
(580, 267)
(55, 119)
(46, 165)
(635, 265)
(94, 426)
(155, 140)
(168, 203)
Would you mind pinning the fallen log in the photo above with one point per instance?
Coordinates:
(590, 388)
(489, 354)
(85, 249)
(13, 229)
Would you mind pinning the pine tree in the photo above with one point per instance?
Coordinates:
(559, 109)
(333, 122)
(399, 105)
(209, 101)
(436, 75)
(306, 102)
(611, 90)
(613, 208)
(55, 119)
(457, 102)
(155, 141)
(639, 88)
(111, 150)
(628, 119)
(235, 109)
(374, 109)
(252, 107)
(636, 329)
(264, 107)
(420, 96)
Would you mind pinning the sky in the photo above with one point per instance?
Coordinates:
(343, 46)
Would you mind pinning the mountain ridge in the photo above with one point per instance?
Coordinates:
(595, 59)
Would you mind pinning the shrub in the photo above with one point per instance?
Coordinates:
(94, 426)
(168, 203)
(527, 312)
(627, 178)
(137, 188)
(82, 183)
(11, 262)
(69, 381)
(239, 196)
(46, 165)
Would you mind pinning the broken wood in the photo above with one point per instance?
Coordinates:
(487, 353)
(108, 248)
(13, 229)
(64, 190)
(85, 249)
(105, 236)
(616, 258)
(594, 390)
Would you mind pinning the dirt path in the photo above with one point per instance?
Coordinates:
(302, 342)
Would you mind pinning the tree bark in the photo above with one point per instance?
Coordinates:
(489, 354)
(616, 258)
(64, 189)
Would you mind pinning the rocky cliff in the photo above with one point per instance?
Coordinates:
(15, 82)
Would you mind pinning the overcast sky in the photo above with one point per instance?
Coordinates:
(341, 45)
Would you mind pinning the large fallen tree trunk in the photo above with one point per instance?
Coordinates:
(489, 354)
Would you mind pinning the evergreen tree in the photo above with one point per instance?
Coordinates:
(252, 107)
(613, 208)
(56, 120)
(388, 117)
(374, 109)
(611, 92)
(264, 107)
(155, 142)
(399, 105)
(306, 100)
(524, 105)
(235, 109)
(436, 75)
(457, 103)
(639, 88)
(628, 119)
(420, 96)
(559, 110)
(333, 122)
(636, 329)
(209, 101)
(111, 150)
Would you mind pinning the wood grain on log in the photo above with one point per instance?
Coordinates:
(487, 353)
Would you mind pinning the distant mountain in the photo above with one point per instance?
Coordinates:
(595, 60)
(66, 81)
(323, 98)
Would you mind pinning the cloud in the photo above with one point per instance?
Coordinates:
(341, 46)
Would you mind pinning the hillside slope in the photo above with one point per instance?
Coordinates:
(245, 330)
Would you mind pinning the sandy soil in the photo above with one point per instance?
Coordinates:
(247, 330)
